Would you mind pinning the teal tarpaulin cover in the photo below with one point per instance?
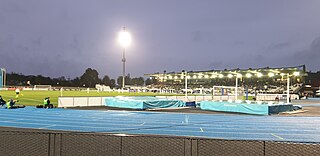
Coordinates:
(143, 102)
(260, 109)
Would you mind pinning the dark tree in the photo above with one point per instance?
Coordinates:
(90, 78)
(150, 81)
(139, 81)
(112, 83)
(127, 80)
(106, 81)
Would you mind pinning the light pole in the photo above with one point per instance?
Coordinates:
(124, 40)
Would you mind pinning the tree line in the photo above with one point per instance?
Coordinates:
(88, 79)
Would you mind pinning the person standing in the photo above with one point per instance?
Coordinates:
(17, 92)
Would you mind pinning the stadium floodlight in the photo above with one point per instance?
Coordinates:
(239, 75)
(213, 76)
(230, 76)
(271, 74)
(296, 73)
(220, 76)
(248, 75)
(125, 40)
(175, 77)
(206, 76)
(259, 74)
(194, 76)
(188, 77)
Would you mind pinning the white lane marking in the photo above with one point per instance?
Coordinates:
(142, 124)
(277, 136)
(201, 129)
(44, 127)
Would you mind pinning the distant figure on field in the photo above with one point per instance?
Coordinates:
(2, 102)
(17, 92)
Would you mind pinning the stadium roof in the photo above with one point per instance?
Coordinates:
(210, 74)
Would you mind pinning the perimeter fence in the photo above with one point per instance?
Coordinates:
(38, 143)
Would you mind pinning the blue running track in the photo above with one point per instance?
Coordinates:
(238, 127)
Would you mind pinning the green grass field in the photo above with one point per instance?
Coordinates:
(33, 98)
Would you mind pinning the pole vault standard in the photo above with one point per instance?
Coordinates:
(288, 88)
(236, 89)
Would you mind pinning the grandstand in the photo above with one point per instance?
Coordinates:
(259, 80)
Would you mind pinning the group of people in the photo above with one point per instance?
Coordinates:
(11, 103)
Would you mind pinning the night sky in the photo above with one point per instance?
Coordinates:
(64, 37)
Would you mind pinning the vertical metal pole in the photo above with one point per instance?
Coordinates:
(186, 86)
(236, 91)
(4, 77)
(288, 87)
(124, 68)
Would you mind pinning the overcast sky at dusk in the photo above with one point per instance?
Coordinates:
(64, 37)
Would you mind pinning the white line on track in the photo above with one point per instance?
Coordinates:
(201, 129)
(45, 127)
(277, 136)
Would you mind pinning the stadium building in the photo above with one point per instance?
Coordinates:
(263, 80)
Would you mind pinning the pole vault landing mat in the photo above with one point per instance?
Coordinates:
(233, 127)
(256, 108)
(143, 102)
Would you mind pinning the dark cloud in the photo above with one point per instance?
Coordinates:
(310, 56)
(63, 38)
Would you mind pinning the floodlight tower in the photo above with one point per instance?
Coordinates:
(125, 41)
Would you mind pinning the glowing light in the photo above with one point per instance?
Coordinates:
(175, 77)
(206, 76)
(188, 77)
(271, 74)
(200, 76)
(124, 38)
(194, 76)
(230, 76)
(213, 76)
(259, 75)
(170, 77)
(239, 75)
(282, 74)
(296, 73)
(248, 75)
(220, 76)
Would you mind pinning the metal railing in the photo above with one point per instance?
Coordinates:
(52, 143)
